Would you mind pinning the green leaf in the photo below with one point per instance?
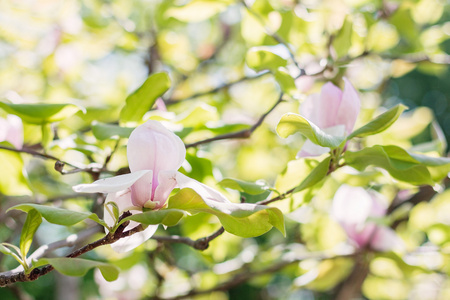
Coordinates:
(104, 131)
(79, 266)
(58, 215)
(259, 59)
(380, 123)
(41, 113)
(286, 82)
(5, 250)
(244, 219)
(439, 167)
(343, 40)
(12, 177)
(32, 223)
(142, 99)
(252, 188)
(291, 123)
(316, 175)
(168, 217)
(397, 161)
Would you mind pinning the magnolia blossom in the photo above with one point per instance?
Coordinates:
(333, 111)
(353, 208)
(154, 156)
(11, 130)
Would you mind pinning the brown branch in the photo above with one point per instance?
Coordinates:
(38, 272)
(199, 244)
(216, 89)
(243, 134)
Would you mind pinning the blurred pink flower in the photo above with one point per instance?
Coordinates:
(333, 111)
(11, 130)
(154, 155)
(353, 208)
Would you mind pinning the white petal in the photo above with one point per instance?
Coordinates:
(310, 149)
(141, 190)
(204, 191)
(111, 184)
(152, 146)
(133, 241)
(167, 181)
(351, 205)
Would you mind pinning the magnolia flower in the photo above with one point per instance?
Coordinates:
(333, 111)
(154, 156)
(353, 208)
(11, 130)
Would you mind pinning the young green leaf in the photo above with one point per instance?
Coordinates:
(41, 113)
(380, 123)
(168, 217)
(58, 215)
(260, 59)
(343, 40)
(142, 99)
(103, 131)
(79, 267)
(286, 82)
(34, 219)
(316, 175)
(252, 188)
(291, 123)
(244, 219)
(12, 178)
(397, 161)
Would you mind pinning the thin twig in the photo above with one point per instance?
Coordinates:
(243, 134)
(199, 244)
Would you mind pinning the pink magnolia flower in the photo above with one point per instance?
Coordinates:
(154, 155)
(333, 111)
(353, 208)
(11, 130)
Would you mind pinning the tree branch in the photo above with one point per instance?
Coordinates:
(199, 244)
(243, 134)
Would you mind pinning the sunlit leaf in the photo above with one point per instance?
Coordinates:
(58, 215)
(168, 217)
(196, 11)
(343, 40)
(34, 219)
(107, 131)
(79, 267)
(12, 177)
(245, 219)
(142, 99)
(259, 60)
(41, 113)
(252, 188)
(291, 123)
(380, 123)
(316, 175)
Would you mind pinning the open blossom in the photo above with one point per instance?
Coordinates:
(154, 155)
(333, 111)
(353, 208)
(11, 130)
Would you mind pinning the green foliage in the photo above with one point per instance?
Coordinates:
(32, 223)
(41, 113)
(107, 131)
(12, 179)
(292, 123)
(252, 188)
(79, 266)
(245, 220)
(168, 217)
(260, 59)
(142, 99)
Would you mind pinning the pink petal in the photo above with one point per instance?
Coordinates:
(349, 108)
(360, 234)
(167, 182)
(385, 239)
(123, 201)
(141, 190)
(152, 146)
(111, 184)
(11, 130)
(351, 205)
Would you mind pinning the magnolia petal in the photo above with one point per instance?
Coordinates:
(152, 146)
(349, 108)
(167, 182)
(351, 205)
(130, 242)
(141, 190)
(385, 239)
(111, 184)
(204, 191)
(359, 234)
